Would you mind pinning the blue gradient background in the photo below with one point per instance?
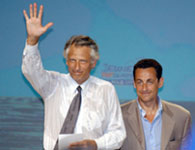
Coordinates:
(125, 30)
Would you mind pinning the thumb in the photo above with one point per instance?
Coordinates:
(47, 26)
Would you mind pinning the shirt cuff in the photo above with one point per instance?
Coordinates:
(100, 144)
(30, 48)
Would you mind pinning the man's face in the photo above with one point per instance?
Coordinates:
(79, 63)
(147, 84)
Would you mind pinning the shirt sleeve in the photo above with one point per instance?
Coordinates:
(115, 132)
(43, 81)
(187, 136)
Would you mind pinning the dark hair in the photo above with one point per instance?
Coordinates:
(82, 40)
(147, 63)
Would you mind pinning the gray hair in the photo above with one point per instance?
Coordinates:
(82, 40)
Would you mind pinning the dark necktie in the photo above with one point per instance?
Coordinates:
(72, 115)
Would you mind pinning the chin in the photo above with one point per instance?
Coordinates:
(78, 81)
(145, 99)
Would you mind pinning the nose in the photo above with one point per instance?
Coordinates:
(77, 66)
(144, 86)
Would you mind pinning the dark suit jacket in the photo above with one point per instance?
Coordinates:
(176, 127)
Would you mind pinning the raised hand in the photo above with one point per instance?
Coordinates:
(34, 24)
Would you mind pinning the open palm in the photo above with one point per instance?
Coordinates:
(34, 23)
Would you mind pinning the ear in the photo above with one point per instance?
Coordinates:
(161, 82)
(65, 58)
(134, 84)
(93, 64)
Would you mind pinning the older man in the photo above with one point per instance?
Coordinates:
(74, 102)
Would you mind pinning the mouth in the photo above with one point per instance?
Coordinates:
(145, 93)
(77, 73)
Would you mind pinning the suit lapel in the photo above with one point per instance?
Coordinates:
(167, 125)
(136, 124)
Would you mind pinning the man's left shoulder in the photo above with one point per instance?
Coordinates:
(101, 82)
(175, 109)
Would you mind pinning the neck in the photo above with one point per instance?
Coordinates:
(150, 108)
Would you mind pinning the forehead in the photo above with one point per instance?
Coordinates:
(145, 73)
(79, 51)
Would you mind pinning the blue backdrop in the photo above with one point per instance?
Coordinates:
(125, 30)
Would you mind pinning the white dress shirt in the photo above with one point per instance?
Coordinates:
(100, 115)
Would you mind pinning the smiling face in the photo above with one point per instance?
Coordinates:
(147, 84)
(79, 63)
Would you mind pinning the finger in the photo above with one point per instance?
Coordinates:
(80, 144)
(47, 26)
(31, 11)
(77, 148)
(75, 144)
(25, 15)
(40, 12)
(35, 9)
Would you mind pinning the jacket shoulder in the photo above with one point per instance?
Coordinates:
(175, 109)
(127, 105)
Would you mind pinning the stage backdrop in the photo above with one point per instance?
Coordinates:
(125, 30)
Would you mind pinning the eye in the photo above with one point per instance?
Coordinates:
(139, 82)
(72, 60)
(83, 61)
(150, 82)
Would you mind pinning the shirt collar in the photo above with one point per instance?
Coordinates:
(142, 111)
(74, 84)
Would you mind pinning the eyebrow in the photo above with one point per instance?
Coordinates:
(150, 79)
